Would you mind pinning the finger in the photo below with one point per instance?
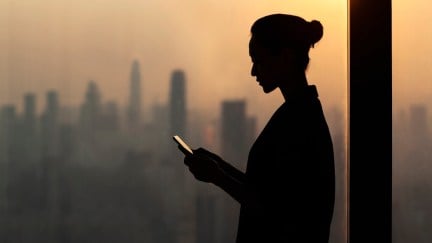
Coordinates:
(188, 160)
(191, 160)
(198, 151)
(194, 172)
(211, 155)
(184, 151)
(203, 152)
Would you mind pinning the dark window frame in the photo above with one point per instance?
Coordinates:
(370, 122)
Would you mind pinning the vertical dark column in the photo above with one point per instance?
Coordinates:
(370, 130)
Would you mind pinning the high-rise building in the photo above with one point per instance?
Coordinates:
(110, 118)
(90, 109)
(30, 113)
(234, 141)
(206, 217)
(336, 122)
(7, 130)
(27, 133)
(177, 103)
(52, 106)
(50, 125)
(134, 109)
(157, 131)
(182, 182)
(418, 122)
(234, 126)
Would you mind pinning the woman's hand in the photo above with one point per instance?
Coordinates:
(203, 165)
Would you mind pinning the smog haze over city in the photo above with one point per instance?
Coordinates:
(89, 89)
(62, 45)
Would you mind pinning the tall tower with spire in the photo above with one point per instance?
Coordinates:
(134, 109)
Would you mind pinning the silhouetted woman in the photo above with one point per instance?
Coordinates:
(287, 191)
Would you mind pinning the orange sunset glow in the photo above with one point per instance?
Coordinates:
(62, 45)
(92, 90)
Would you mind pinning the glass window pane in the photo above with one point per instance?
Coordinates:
(412, 138)
(92, 91)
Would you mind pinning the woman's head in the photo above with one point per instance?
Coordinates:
(280, 45)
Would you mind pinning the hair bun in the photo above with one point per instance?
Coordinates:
(315, 32)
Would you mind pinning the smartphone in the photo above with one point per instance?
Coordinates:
(186, 149)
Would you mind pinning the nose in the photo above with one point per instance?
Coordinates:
(253, 70)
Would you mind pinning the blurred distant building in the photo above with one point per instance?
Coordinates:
(159, 140)
(134, 109)
(110, 120)
(205, 217)
(67, 140)
(177, 116)
(177, 104)
(50, 126)
(337, 125)
(418, 123)
(28, 131)
(8, 144)
(420, 143)
(30, 119)
(234, 127)
(90, 111)
(237, 133)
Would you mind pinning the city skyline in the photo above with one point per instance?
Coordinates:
(60, 139)
(39, 104)
(44, 154)
(82, 41)
(65, 76)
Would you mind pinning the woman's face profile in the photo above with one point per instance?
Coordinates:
(270, 69)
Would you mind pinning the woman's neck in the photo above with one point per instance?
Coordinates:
(293, 85)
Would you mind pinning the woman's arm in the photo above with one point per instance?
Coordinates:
(211, 168)
(230, 170)
(235, 188)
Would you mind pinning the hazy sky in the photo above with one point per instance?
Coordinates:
(47, 44)
(61, 45)
(412, 52)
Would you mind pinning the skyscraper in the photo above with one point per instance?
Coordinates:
(30, 113)
(177, 103)
(419, 126)
(50, 125)
(181, 185)
(234, 140)
(234, 128)
(110, 119)
(90, 109)
(8, 122)
(27, 133)
(52, 105)
(418, 119)
(134, 109)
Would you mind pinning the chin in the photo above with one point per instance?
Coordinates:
(268, 89)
